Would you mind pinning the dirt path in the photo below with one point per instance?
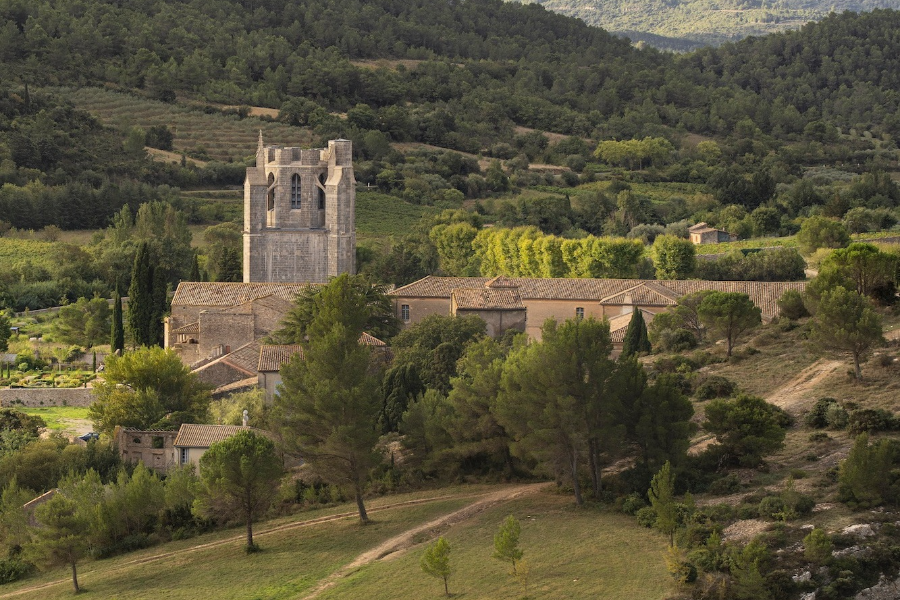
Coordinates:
(397, 544)
(794, 395)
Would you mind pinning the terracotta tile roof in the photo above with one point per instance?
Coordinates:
(698, 226)
(500, 282)
(504, 298)
(191, 293)
(236, 386)
(244, 358)
(645, 293)
(189, 328)
(203, 436)
(618, 325)
(272, 356)
(764, 294)
(370, 340)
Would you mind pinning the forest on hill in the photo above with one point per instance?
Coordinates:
(447, 105)
(683, 25)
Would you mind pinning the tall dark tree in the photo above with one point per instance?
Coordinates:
(117, 336)
(328, 407)
(636, 338)
(141, 308)
(195, 269)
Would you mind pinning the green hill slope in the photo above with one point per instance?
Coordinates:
(682, 24)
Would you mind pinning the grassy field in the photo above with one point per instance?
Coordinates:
(15, 252)
(223, 137)
(58, 418)
(574, 553)
(380, 215)
(569, 552)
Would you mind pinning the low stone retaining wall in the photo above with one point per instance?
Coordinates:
(37, 397)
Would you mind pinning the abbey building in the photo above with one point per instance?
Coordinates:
(299, 207)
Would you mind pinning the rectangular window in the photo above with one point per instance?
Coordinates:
(184, 455)
(579, 312)
(404, 312)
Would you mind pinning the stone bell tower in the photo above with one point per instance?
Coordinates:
(299, 214)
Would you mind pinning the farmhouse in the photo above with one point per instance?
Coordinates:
(533, 301)
(701, 233)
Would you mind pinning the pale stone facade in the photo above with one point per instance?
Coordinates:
(561, 299)
(299, 214)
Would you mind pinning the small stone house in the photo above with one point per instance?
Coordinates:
(193, 441)
(701, 233)
(152, 447)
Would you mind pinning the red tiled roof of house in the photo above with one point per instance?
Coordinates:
(645, 293)
(203, 436)
(487, 299)
(764, 294)
(193, 293)
(272, 357)
(189, 328)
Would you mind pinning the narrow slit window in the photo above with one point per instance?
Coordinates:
(295, 192)
(322, 192)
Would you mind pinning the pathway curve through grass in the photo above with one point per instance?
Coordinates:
(480, 502)
(405, 540)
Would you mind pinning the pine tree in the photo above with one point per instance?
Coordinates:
(636, 338)
(506, 542)
(117, 337)
(140, 299)
(662, 499)
(436, 561)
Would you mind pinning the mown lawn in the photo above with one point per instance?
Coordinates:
(290, 564)
(57, 417)
(570, 552)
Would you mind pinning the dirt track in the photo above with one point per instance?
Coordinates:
(391, 546)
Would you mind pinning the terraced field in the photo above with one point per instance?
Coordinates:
(223, 137)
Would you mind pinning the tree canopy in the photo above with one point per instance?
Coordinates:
(149, 388)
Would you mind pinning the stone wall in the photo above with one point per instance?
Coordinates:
(35, 397)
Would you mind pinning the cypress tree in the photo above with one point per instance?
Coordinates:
(636, 338)
(140, 299)
(195, 269)
(231, 268)
(117, 338)
(160, 305)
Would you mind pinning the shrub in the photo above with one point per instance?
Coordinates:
(715, 386)
(14, 569)
(816, 417)
(729, 484)
(646, 517)
(791, 305)
(871, 420)
(675, 364)
(837, 416)
(771, 507)
(633, 503)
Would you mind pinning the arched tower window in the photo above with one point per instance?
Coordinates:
(295, 192)
(270, 196)
(322, 192)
